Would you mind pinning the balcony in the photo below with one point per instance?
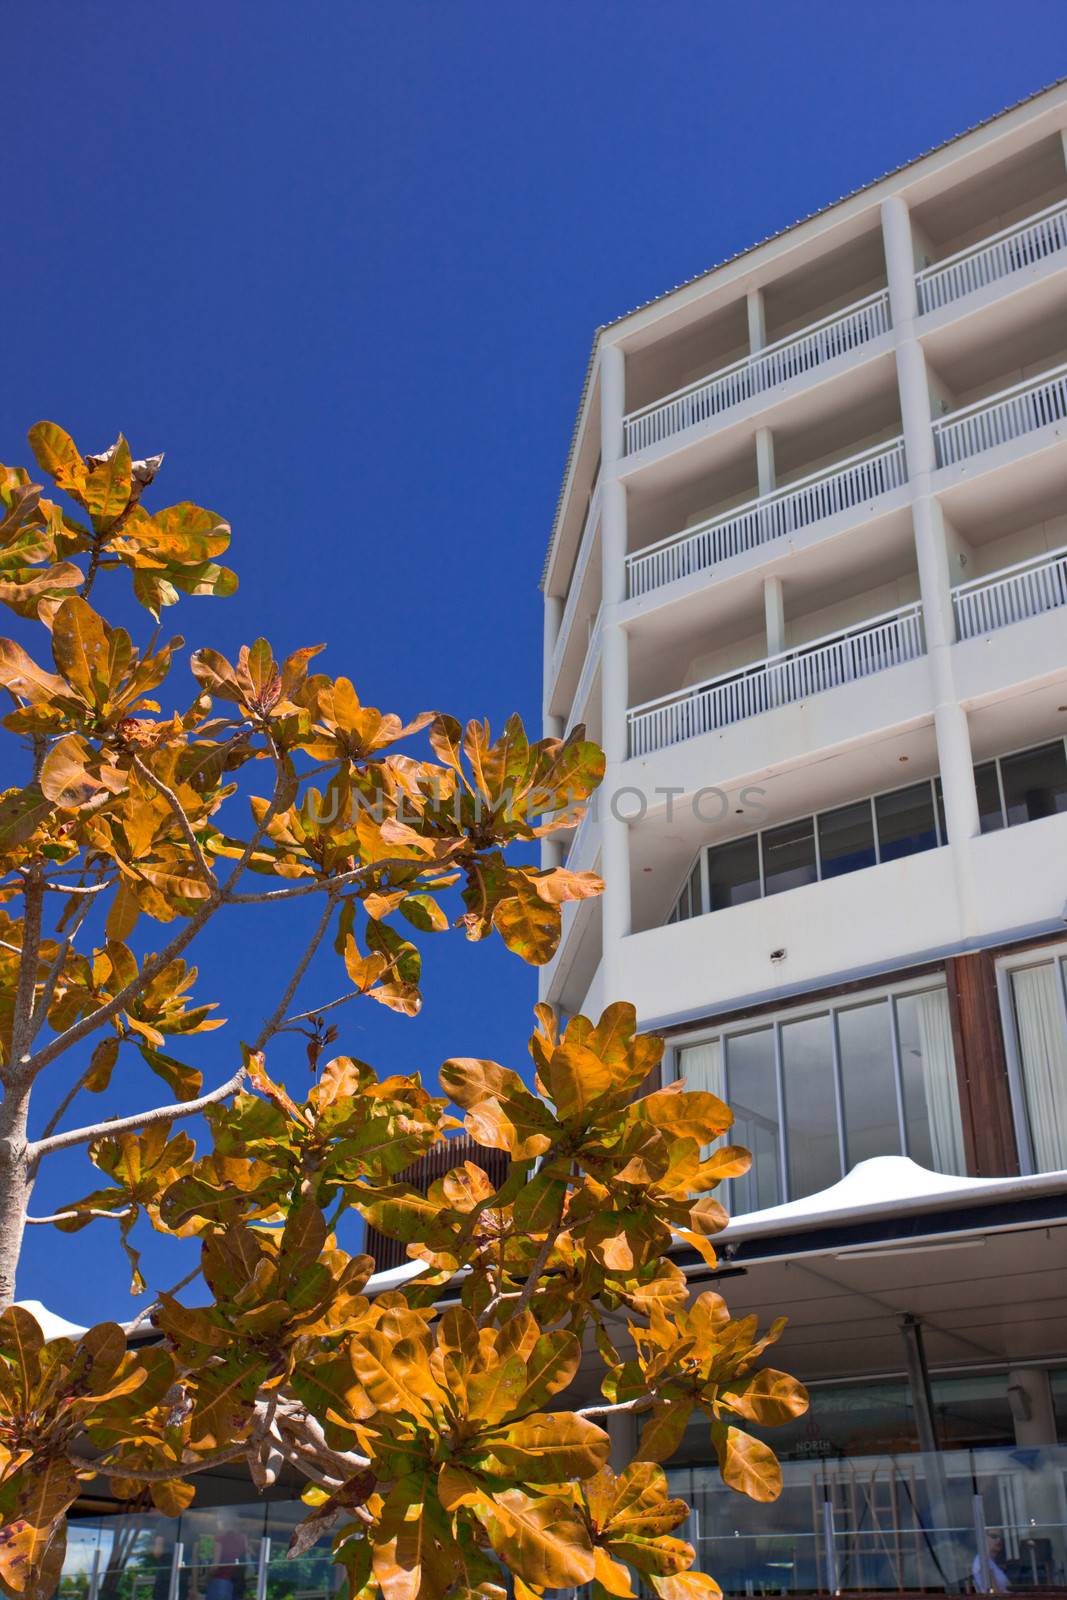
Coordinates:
(1025, 244)
(1011, 414)
(858, 652)
(836, 335)
(580, 707)
(856, 481)
(1025, 590)
(586, 545)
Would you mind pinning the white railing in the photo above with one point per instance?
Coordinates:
(585, 549)
(847, 483)
(1024, 590)
(1007, 415)
(587, 674)
(857, 652)
(1022, 245)
(835, 335)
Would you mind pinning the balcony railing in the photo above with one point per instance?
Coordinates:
(1007, 415)
(1023, 245)
(1024, 590)
(797, 674)
(585, 549)
(847, 483)
(835, 335)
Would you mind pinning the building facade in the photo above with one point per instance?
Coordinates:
(807, 584)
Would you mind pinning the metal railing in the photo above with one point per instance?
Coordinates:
(1008, 415)
(1022, 245)
(836, 335)
(848, 483)
(857, 652)
(1024, 590)
(585, 549)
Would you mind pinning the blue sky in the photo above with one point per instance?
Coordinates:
(342, 262)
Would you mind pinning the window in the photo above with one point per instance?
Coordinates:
(810, 1104)
(868, 1083)
(906, 822)
(1034, 783)
(819, 1089)
(803, 851)
(990, 808)
(846, 840)
(1023, 787)
(690, 902)
(733, 873)
(789, 856)
(752, 1094)
(1038, 1018)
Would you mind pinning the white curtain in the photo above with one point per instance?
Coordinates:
(1043, 1048)
(939, 1082)
(701, 1067)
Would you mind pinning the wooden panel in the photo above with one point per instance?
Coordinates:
(981, 1066)
(438, 1160)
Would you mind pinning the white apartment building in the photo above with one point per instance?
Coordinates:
(807, 584)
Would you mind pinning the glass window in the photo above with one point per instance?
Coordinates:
(868, 1082)
(696, 899)
(752, 1093)
(810, 1106)
(1035, 783)
(928, 1070)
(906, 822)
(789, 856)
(990, 813)
(1040, 1029)
(733, 873)
(846, 839)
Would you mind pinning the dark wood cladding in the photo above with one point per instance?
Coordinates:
(421, 1174)
(981, 1067)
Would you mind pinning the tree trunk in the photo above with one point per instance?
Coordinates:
(16, 1185)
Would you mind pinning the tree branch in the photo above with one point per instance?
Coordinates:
(183, 822)
(643, 1402)
(140, 1119)
(68, 1216)
(155, 964)
(179, 1469)
(320, 1011)
(274, 1021)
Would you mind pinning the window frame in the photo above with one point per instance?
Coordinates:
(1007, 755)
(831, 1006)
(813, 817)
(1053, 955)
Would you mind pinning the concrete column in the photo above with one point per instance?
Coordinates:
(899, 261)
(765, 461)
(757, 321)
(623, 1433)
(932, 556)
(614, 669)
(1063, 142)
(1045, 1503)
(774, 612)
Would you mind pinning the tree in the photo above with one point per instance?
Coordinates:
(427, 1438)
